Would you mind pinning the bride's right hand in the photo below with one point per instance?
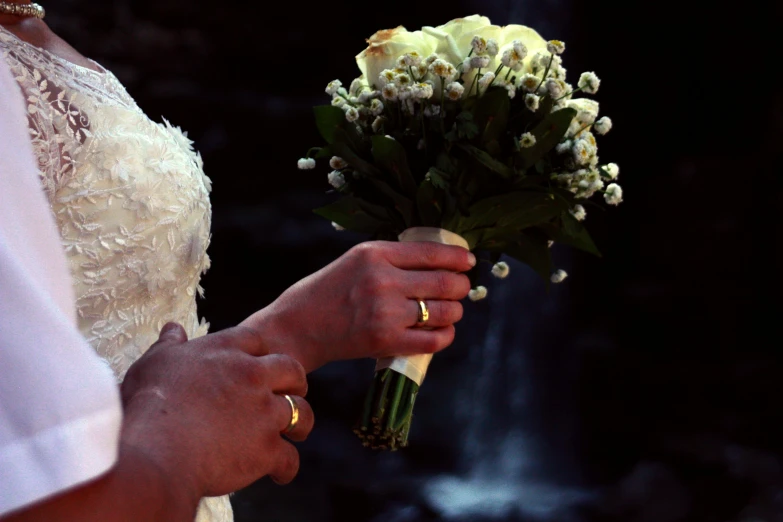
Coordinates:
(364, 304)
(210, 412)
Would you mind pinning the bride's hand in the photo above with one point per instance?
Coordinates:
(364, 304)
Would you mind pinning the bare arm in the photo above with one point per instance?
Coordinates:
(202, 418)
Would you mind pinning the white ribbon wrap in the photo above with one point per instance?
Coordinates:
(415, 366)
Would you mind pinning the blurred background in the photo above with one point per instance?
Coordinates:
(646, 387)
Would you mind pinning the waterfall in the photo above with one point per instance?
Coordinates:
(502, 477)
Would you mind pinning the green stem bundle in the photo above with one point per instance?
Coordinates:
(388, 411)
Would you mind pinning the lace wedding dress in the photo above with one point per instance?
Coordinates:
(131, 202)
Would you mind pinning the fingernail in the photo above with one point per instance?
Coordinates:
(471, 259)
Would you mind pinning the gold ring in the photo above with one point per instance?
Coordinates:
(294, 414)
(424, 312)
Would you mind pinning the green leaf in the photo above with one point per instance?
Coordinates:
(573, 233)
(355, 214)
(515, 209)
(402, 204)
(344, 151)
(529, 248)
(487, 160)
(390, 155)
(327, 119)
(429, 204)
(490, 113)
(438, 178)
(548, 134)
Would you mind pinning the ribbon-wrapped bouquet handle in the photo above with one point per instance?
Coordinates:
(388, 407)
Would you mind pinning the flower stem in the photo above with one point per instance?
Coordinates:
(395, 404)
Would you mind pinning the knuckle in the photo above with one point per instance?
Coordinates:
(429, 252)
(457, 312)
(442, 283)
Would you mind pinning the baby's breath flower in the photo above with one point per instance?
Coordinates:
(421, 70)
(367, 95)
(527, 140)
(387, 76)
(338, 101)
(613, 194)
(431, 58)
(337, 227)
(390, 91)
(442, 68)
(352, 114)
(555, 88)
(500, 270)
(479, 45)
(478, 293)
(586, 110)
(356, 86)
(578, 212)
(479, 62)
(555, 46)
(466, 65)
(306, 164)
(512, 90)
(603, 125)
(559, 276)
(520, 49)
(530, 82)
(583, 152)
(402, 80)
(509, 58)
(422, 91)
(411, 59)
(486, 80)
(563, 147)
(377, 123)
(454, 91)
(376, 107)
(492, 47)
(337, 163)
(612, 170)
(333, 86)
(589, 82)
(532, 101)
(336, 179)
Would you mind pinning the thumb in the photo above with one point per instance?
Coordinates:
(172, 333)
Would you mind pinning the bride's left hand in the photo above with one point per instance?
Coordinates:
(364, 304)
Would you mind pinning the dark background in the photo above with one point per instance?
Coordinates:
(647, 387)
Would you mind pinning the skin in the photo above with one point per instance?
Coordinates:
(205, 417)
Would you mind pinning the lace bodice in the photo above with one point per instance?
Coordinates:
(131, 202)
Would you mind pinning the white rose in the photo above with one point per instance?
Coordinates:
(454, 41)
(389, 44)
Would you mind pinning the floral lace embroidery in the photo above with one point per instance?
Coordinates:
(130, 198)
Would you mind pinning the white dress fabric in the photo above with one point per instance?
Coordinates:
(131, 203)
(60, 411)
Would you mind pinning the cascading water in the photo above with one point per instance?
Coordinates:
(502, 478)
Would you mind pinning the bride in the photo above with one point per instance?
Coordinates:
(131, 202)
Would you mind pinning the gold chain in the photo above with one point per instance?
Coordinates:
(24, 10)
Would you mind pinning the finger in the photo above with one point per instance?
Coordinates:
(243, 338)
(172, 333)
(442, 313)
(284, 374)
(286, 463)
(435, 285)
(427, 255)
(305, 419)
(419, 340)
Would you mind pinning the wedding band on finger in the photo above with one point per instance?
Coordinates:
(424, 313)
(294, 414)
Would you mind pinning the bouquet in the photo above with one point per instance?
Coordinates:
(469, 134)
